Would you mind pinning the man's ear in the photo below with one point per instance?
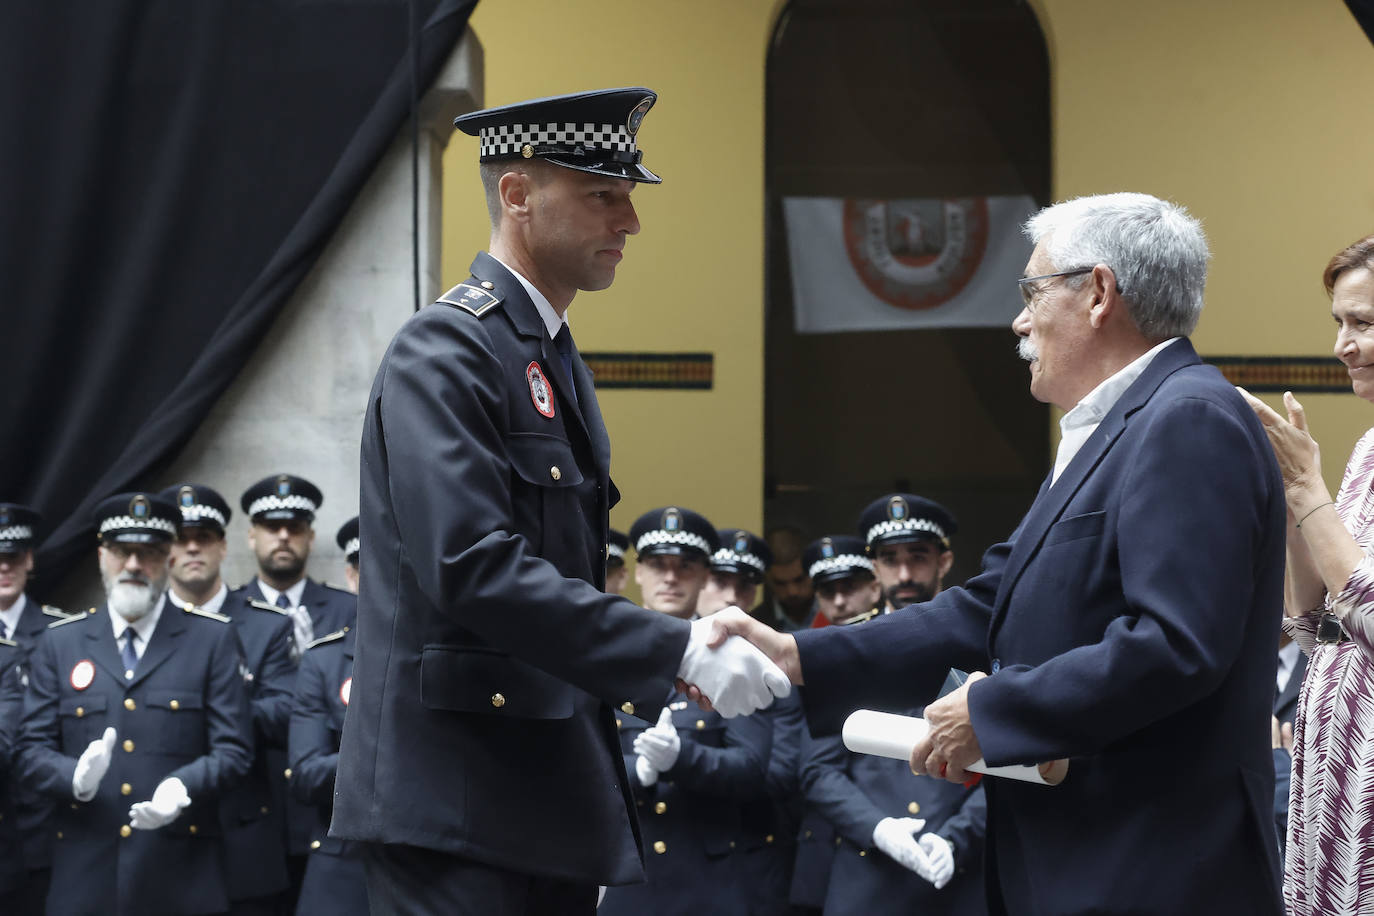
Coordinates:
(1105, 298)
(946, 562)
(515, 188)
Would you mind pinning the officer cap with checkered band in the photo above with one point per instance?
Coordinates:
(18, 528)
(674, 531)
(281, 497)
(900, 518)
(587, 131)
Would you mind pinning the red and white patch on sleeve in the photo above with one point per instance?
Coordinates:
(540, 393)
(83, 673)
(346, 690)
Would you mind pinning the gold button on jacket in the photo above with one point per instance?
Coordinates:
(129, 703)
(125, 831)
(660, 847)
(128, 745)
(497, 700)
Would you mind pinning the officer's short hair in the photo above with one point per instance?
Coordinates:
(491, 173)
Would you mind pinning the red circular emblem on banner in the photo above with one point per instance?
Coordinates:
(83, 673)
(540, 393)
(916, 254)
(346, 690)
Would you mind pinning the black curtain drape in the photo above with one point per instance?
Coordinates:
(169, 172)
(1363, 11)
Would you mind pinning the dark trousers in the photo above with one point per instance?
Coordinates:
(30, 897)
(411, 881)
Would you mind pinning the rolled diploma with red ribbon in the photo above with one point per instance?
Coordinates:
(883, 734)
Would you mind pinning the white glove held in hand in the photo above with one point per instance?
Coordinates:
(91, 766)
(896, 836)
(736, 677)
(940, 855)
(164, 807)
(660, 745)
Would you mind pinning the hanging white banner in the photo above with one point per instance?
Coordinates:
(868, 264)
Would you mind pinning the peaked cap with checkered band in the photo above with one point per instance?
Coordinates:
(587, 131)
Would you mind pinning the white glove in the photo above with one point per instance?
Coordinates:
(736, 677)
(91, 766)
(940, 855)
(896, 836)
(646, 772)
(660, 745)
(169, 798)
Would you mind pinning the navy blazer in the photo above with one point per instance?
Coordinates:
(1130, 624)
(184, 714)
(486, 648)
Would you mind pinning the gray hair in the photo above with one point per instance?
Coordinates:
(1157, 251)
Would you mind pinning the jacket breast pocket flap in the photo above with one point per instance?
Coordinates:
(478, 680)
(80, 707)
(1087, 525)
(545, 461)
(174, 700)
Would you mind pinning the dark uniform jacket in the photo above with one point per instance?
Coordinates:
(334, 881)
(772, 821)
(487, 652)
(856, 791)
(183, 714)
(1134, 611)
(11, 706)
(331, 609)
(693, 815)
(253, 812)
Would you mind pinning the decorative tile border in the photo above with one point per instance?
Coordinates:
(1275, 374)
(693, 371)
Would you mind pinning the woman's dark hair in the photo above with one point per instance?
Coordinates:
(1354, 256)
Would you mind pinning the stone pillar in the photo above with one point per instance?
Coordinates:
(297, 407)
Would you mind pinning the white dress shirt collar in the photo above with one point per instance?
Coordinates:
(1078, 425)
(293, 594)
(552, 322)
(214, 604)
(10, 618)
(143, 626)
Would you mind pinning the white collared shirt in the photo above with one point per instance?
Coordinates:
(552, 322)
(10, 618)
(143, 626)
(1288, 660)
(1078, 425)
(293, 594)
(214, 604)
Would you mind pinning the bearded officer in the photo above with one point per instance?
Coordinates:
(136, 719)
(908, 539)
(24, 817)
(251, 818)
(479, 756)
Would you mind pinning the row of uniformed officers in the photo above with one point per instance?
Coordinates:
(173, 751)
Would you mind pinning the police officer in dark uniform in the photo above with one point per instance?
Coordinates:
(693, 772)
(617, 573)
(136, 719)
(251, 818)
(282, 510)
(24, 820)
(881, 814)
(334, 879)
(347, 539)
(13, 874)
(479, 757)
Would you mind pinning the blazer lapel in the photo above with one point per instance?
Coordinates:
(31, 624)
(1050, 503)
(100, 643)
(163, 643)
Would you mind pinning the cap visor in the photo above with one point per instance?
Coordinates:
(608, 167)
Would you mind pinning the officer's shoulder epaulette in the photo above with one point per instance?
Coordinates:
(57, 612)
(202, 612)
(328, 637)
(472, 297)
(862, 617)
(66, 620)
(264, 606)
(8, 642)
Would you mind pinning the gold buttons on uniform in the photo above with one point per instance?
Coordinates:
(837, 841)
(808, 834)
(128, 745)
(555, 473)
(124, 831)
(287, 772)
(527, 151)
(487, 284)
(263, 809)
(314, 844)
(125, 789)
(627, 708)
(732, 844)
(192, 828)
(701, 723)
(80, 711)
(129, 703)
(498, 700)
(863, 852)
(914, 808)
(660, 807)
(660, 847)
(59, 834)
(175, 705)
(768, 839)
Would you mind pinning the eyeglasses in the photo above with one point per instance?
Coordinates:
(1028, 291)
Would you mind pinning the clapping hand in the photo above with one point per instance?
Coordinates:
(169, 798)
(660, 745)
(91, 766)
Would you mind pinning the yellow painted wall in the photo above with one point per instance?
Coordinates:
(1251, 115)
(1255, 117)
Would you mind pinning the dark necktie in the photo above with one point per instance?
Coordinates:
(283, 602)
(563, 343)
(4, 630)
(127, 654)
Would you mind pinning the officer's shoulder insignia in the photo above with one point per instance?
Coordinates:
(7, 642)
(66, 620)
(472, 298)
(862, 618)
(327, 638)
(264, 606)
(202, 612)
(56, 612)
